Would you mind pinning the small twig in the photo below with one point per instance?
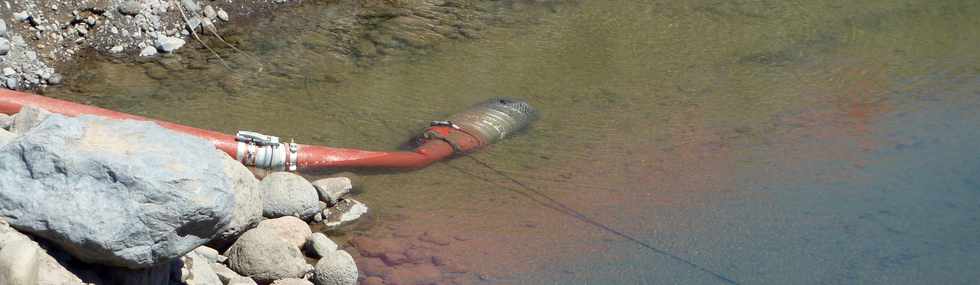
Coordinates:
(214, 31)
(187, 23)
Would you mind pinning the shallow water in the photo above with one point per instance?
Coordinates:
(732, 141)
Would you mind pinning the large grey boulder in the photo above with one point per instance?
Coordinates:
(288, 194)
(263, 256)
(248, 201)
(122, 193)
(335, 268)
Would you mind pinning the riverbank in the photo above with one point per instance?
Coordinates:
(89, 200)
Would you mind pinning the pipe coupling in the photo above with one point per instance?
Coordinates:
(265, 151)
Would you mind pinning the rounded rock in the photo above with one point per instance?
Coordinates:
(290, 229)
(19, 263)
(288, 194)
(337, 268)
(321, 245)
(266, 259)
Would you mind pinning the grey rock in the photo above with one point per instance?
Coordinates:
(336, 268)
(3, 28)
(224, 273)
(332, 189)
(22, 16)
(320, 244)
(6, 137)
(288, 194)
(210, 13)
(19, 262)
(222, 15)
(131, 8)
(116, 49)
(169, 44)
(210, 254)
(199, 271)
(28, 118)
(6, 121)
(261, 255)
(292, 281)
(11, 83)
(148, 51)
(105, 204)
(55, 79)
(191, 6)
(4, 46)
(242, 281)
(248, 201)
(48, 270)
(288, 228)
(346, 212)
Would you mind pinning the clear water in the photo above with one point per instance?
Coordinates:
(753, 142)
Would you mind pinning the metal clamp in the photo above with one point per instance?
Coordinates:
(444, 123)
(256, 138)
(265, 151)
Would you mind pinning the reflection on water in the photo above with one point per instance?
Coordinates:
(747, 141)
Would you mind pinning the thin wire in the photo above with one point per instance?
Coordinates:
(560, 207)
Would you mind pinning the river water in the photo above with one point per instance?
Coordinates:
(679, 142)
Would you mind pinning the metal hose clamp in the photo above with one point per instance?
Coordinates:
(266, 152)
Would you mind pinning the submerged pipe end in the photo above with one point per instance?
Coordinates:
(495, 119)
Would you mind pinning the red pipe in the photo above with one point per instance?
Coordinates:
(435, 148)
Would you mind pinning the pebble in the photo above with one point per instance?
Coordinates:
(116, 49)
(223, 15)
(3, 28)
(7, 71)
(148, 51)
(131, 8)
(4, 46)
(210, 12)
(55, 79)
(22, 16)
(169, 44)
(11, 83)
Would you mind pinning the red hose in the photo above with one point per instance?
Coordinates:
(309, 156)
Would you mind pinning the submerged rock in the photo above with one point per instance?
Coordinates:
(346, 212)
(288, 194)
(333, 188)
(122, 193)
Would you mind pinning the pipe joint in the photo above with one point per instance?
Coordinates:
(266, 152)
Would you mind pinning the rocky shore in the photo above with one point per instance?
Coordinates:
(39, 37)
(88, 200)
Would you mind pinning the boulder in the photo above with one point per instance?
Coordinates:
(248, 201)
(263, 256)
(288, 194)
(291, 229)
(336, 268)
(122, 193)
(333, 188)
